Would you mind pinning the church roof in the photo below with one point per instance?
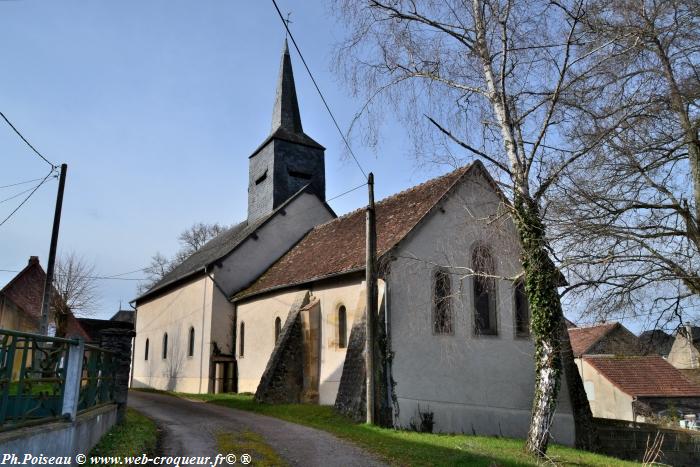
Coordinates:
(212, 251)
(338, 246)
(286, 119)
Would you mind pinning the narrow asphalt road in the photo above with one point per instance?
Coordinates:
(189, 428)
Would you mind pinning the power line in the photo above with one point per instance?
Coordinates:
(16, 195)
(90, 277)
(21, 183)
(335, 122)
(53, 166)
(346, 192)
(27, 198)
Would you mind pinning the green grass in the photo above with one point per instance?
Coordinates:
(136, 436)
(411, 448)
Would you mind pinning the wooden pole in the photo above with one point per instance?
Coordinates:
(371, 283)
(48, 285)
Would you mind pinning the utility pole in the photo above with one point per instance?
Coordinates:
(371, 283)
(48, 285)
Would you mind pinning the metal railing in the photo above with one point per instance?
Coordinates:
(46, 378)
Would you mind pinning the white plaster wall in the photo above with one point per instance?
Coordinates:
(259, 315)
(683, 354)
(259, 319)
(605, 399)
(252, 257)
(472, 384)
(187, 306)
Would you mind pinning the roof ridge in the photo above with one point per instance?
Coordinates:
(591, 326)
(402, 192)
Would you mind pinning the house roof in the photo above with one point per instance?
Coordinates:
(126, 316)
(644, 376)
(583, 338)
(656, 341)
(216, 249)
(26, 290)
(338, 246)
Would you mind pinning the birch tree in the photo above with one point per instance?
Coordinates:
(487, 80)
(626, 219)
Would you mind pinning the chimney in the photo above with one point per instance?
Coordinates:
(33, 260)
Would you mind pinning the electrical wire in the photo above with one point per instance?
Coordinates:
(90, 277)
(335, 122)
(16, 195)
(53, 166)
(21, 183)
(27, 198)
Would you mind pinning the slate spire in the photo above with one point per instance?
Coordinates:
(285, 113)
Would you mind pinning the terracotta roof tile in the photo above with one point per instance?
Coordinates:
(338, 246)
(646, 376)
(583, 338)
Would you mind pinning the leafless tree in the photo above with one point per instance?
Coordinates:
(491, 79)
(191, 240)
(626, 219)
(76, 289)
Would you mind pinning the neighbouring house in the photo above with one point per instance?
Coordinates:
(459, 345)
(185, 323)
(20, 303)
(607, 338)
(122, 319)
(20, 306)
(685, 352)
(637, 388)
(656, 342)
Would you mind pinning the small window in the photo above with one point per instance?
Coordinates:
(522, 311)
(165, 345)
(442, 302)
(278, 328)
(145, 357)
(261, 178)
(302, 175)
(190, 343)
(342, 327)
(241, 340)
(484, 292)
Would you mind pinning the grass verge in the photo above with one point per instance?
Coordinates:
(136, 436)
(411, 448)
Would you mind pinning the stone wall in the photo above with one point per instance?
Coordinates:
(629, 440)
(283, 379)
(119, 341)
(61, 438)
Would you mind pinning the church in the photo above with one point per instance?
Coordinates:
(276, 305)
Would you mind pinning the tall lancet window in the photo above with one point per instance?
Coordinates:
(484, 292)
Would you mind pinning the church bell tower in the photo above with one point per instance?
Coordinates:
(288, 159)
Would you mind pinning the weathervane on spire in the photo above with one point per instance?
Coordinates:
(287, 22)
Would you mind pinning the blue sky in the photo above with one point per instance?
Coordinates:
(155, 107)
